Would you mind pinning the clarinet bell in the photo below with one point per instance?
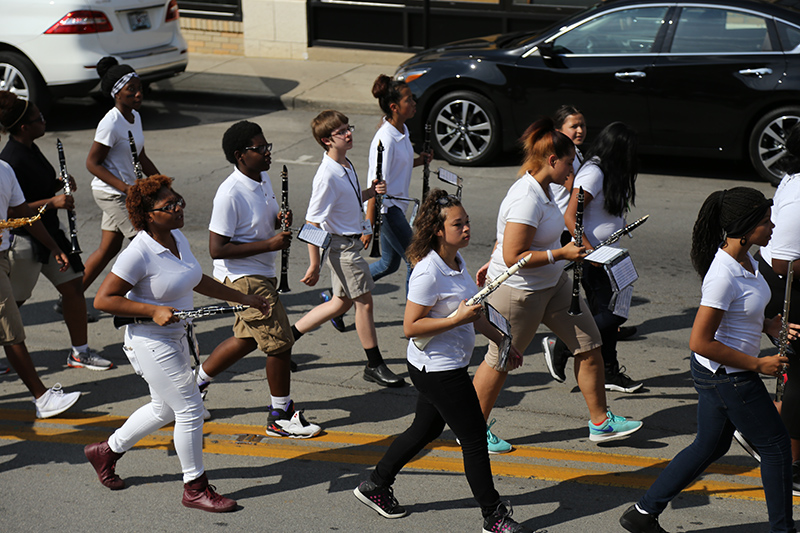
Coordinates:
(284, 285)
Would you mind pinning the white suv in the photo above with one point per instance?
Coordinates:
(49, 48)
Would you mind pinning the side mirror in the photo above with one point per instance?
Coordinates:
(546, 50)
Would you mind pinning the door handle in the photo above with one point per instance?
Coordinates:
(757, 72)
(630, 76)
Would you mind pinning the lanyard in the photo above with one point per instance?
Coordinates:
(355, 189)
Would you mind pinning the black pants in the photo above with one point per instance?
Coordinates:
(790, 410)
(444, 398)
(598, 296)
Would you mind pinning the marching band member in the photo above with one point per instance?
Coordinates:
(440, 284)
(539, 292)
(336, 206)
(110, 161)
(244, 242)
(725, 363)
(153, 277)
(569, 121)
(27, 256)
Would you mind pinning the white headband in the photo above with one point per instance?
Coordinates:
(122, 82)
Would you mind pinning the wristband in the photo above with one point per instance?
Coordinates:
(550, 258)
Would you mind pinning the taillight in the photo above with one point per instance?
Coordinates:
(82, 22)
(172, 11)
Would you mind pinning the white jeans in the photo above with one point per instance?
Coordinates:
(161, 357)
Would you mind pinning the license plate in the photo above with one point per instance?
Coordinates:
(139, 20)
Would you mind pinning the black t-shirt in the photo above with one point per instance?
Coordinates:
(36, 177)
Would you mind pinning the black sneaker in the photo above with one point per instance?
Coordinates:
(500, 521)
(625, 332)
(747, 445)
(555, 358)
(381, 499)
(337, 321)
(636, 522)
(621, 382)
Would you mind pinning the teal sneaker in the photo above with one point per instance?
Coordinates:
(496, 444)
(614, 427)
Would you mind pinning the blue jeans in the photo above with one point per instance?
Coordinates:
(727, 402)
(395, 237)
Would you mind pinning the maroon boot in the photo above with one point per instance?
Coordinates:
(104, 459)
(198, 494)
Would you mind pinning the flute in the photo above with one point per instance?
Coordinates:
(137, 165)
(199, 312)
(784, 335)
(426, 169)
(422, 342)
(614, 237)
(376, 231)
(284, 284)
(577, 274)
(73, 230)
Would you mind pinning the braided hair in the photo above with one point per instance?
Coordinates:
(729, 213)
(430, 219)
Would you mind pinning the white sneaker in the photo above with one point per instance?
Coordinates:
(54, 402)
(88, 359)
(206, 413)
(290, 423)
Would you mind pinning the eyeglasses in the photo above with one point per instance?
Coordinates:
(261, 148)
(446, 201)
(40, 118)
(344, 132)
(171, 207)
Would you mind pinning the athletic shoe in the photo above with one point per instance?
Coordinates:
(500, 521)
(381, 499)
(88, 359)
(290, 423)
(747, 445)
(203, 386)
(206, 414)
(796, 478)
(337, 321)
(614, 427)
(4, 370)
(637, 522)
(555, 359)
(54, 402)
(625, 332)
(621, 382)
(496, 444)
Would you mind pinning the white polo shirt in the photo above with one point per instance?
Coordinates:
(157, 276)
(10, 196)
(245, 211)
(335, 202)
(435, 284)
(526, 203)
(598, 224)
(743, 296)
(112, 131)
(398, 162)
(785, 241)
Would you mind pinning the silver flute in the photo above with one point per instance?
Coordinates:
(783, 338)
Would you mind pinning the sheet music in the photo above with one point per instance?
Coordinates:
(623, 273)
(314, 235)
(604, 255)
(501, 324)
(622, 303)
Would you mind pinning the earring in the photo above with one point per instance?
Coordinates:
(743, 240)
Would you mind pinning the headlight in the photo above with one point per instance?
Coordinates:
(410, 75)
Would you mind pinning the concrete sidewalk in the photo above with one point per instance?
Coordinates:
(330, 78)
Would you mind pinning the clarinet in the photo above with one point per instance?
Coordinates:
(614, 237)
(73, 230)
(284, 285)
(137, 165)
(784, 335)
(426, 170)
(577, 274)
(376, 232)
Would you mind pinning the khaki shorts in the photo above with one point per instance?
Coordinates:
(350, 277)
(115, 214)
(273, 333)
(525, 310)
(11, 330)
(25, 269)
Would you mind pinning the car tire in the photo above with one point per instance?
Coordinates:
(767, 148)
(465, 128)
(20, 76)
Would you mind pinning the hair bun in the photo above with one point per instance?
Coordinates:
(104, 64)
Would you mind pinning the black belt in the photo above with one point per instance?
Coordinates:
(352, 236)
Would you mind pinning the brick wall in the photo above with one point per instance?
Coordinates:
(205, 36)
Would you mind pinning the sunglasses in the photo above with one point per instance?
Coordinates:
(171, 207)
(261, 148)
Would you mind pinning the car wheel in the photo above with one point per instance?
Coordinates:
(465, 128)
(18, 75)
(767, 142)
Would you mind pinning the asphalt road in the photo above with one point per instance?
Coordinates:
(556, 479)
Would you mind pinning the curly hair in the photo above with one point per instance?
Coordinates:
(540, 141)
(430, 219)
(388, 91)
(238, 137)
(142, 197)
(720, 214)
(13, 111)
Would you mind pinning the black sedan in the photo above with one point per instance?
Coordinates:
(707, 79)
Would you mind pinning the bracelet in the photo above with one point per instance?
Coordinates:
(550, 258)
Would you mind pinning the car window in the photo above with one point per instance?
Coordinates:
(790, 36)
(629, 31)
(703, 30)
